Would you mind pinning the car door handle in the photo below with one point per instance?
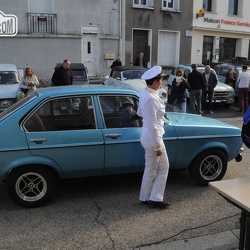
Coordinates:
(113, 136)
(38, 141)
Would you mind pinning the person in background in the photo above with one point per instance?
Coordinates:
(29, 82)
(243, 82)
(210, 80)
(62, 75)
(196, 83)
(152, 110)
(231, 78)
(179, 86)
(140, 61)
(115, 63)
(129, 117)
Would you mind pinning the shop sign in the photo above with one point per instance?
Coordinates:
(8, 24)
(227, 22)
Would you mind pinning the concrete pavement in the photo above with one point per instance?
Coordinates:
(228, 240)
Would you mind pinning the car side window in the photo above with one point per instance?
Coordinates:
(186, 73)
(173, 71)
(224, 71)
(63, 114)
(120, 111)
(116, 75)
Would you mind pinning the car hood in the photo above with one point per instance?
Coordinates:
(223, 87)
(200, 125)
(9, 90)
(136, 84)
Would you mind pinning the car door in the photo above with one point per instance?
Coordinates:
(123, 150)
(64, 131)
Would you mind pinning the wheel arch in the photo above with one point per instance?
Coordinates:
(41, 162)
(222, 149)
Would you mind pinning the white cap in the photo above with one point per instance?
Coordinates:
(151, 73)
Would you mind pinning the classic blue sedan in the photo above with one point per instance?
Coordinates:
(71, 132)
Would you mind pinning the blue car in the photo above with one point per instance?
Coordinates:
(61, 133)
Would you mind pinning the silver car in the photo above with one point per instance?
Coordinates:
(130, 77)
(9, 86)
(222, 92)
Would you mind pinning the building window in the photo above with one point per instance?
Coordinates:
(170, 4)
(227, 49)
(233, 7)
(207, 5)
(42, 23)
(140, 2)
(143, 3)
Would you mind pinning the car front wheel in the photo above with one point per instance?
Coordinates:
(210, 165)
(31, 186)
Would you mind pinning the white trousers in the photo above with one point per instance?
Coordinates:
(155, 175)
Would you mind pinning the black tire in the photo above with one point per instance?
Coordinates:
(210, 165)
(31, 186)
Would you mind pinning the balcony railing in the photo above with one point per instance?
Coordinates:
(42, 23)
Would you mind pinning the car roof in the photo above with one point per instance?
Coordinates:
(84, 89)
(231, 65)
(8, 67)
(124, 68)
(73, 65)
(189, 65)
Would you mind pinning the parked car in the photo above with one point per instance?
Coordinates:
(130, 77)
(223, 69)
(9, 86)
(72, 132)
(222, 93)
(79, 73)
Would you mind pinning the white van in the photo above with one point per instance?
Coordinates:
(9, 86)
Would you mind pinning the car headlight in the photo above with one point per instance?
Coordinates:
(20, 95)
(164, 95)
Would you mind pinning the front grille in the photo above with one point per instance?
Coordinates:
(221, 94)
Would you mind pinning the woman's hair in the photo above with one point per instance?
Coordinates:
(27, 70)
(179, 71)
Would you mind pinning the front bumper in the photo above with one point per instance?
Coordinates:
(238, 158)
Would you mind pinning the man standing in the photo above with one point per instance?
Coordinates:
(210, 80)
(243, 84)
(196, 83)
(152, 110)
(115, 63)
(140, 61)
(62, 75)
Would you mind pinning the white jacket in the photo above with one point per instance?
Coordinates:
(152, 110)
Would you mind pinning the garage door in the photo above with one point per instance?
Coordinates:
(168, 52)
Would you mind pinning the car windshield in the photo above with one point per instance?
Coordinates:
(78, 74)
(132, 74)
(7, 77)
(17, 105)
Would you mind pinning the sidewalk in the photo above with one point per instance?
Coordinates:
(228, 240)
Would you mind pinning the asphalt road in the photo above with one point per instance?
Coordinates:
(106, 214)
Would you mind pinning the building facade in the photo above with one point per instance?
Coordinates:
(159, 30)
(222, 32)
(50, 31)
(96, 32)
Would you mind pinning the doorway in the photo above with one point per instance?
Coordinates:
(207, 50)
(90, 53)
(140, 44)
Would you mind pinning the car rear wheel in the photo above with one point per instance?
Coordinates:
(31, 186)
(210, 165)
